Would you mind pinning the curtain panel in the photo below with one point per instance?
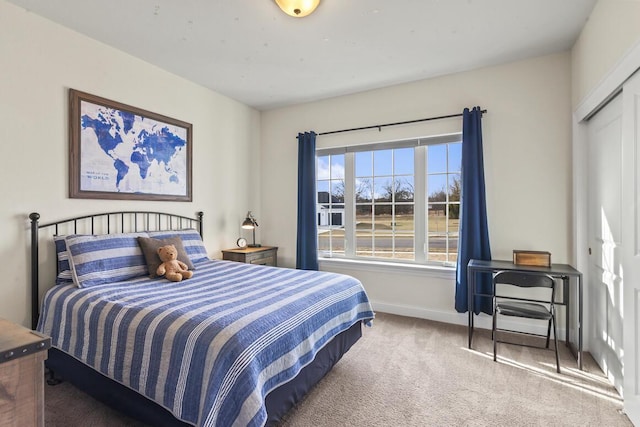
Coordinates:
(473, 240)
(307, 243)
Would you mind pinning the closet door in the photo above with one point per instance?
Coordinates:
(605, 233)
(631, 245)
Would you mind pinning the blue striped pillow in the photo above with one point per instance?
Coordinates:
(191, 239)
(64, 269)
(96, 260)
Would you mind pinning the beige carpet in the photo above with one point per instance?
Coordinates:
(413, 372)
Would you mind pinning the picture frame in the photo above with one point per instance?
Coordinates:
(121, 152)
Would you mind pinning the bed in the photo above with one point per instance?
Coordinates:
(237, 344)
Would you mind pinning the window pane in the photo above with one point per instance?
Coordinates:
(455, 186)
(382, 230)
(337, 191)
(437, 158)
(337, 166)
(383, 217)
(323, 239)
(454, 224)
(364, 219)
(402, 209)
(364, 164)
(453, 249)
(323, 191)
(403, 161)
(437, 187)
(437, 247)
(364, 225)
(323, 167)
(364, 243)
(455, 157)
(337, 216)
(383, 189)
(437, 218)
(404, 189)
(404, 231)
(324, 217)
(364, 190)
(453, 227)
(337, 242)
(454, 215)
(382, 162)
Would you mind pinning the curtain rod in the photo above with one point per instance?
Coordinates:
(379, 127)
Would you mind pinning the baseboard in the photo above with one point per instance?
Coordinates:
(482, 321)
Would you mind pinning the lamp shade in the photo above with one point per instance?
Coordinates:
(249, 222)
(298, 8)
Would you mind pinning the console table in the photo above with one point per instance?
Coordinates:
(571, 298)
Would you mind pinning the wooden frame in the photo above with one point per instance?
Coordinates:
(117, 151)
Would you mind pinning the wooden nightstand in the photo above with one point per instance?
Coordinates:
(264, 255)
(22, 356)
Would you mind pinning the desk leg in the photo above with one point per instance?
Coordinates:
(568, 303)
(471, 284)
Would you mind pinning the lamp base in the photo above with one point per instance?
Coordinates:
(254, 245)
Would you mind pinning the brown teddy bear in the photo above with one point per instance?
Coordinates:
(171, 268)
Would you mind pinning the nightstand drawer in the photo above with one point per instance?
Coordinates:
(264, 255)
(264, 261)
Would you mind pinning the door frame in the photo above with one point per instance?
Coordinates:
(609, 86)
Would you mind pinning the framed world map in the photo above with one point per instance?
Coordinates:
(122, 152)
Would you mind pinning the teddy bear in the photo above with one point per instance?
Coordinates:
(171, 267)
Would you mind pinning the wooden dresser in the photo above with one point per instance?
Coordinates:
(22, 356)
(263, 255)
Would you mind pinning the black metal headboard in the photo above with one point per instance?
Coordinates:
(101, 223)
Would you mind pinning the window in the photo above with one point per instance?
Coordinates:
(395, 201)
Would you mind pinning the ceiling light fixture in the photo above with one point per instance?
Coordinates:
(298, 8)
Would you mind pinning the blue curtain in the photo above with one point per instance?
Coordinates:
(474, 234)
(307, 246)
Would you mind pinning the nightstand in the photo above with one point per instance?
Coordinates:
(22, 356)
(264, 255)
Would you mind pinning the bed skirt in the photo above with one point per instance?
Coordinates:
(123, 399)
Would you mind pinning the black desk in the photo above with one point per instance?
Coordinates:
(559, 271)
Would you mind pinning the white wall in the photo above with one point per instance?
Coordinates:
(39, 62)
(527, 141)
(610, 33)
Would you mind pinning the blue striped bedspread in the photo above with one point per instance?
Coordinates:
(209, 349)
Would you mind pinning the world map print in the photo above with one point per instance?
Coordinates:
(128, 153)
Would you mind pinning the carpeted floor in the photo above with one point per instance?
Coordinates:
(413, 372)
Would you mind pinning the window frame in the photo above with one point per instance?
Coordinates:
(420, 203)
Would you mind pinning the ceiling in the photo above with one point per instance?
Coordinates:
(251, 51)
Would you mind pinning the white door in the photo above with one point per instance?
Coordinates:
(604, 287)
(631, 245)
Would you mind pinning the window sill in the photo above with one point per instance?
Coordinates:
(390, 267)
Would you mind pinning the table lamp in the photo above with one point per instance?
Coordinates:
(250, 223)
